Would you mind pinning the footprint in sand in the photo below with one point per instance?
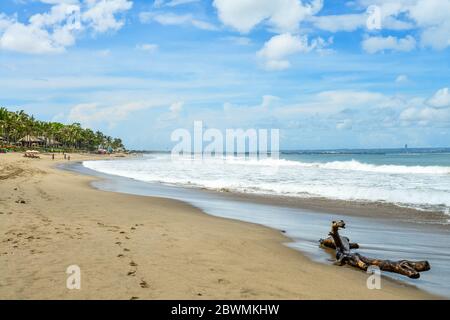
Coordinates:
(125, 249)
(120, 256)
(144, 284)
(131, 273)
(134, 298)
(223, 281)
(133, 264)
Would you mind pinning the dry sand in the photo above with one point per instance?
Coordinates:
(147, 248)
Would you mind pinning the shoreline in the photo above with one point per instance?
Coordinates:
(366, 209)
(358, 208)
(174, 251)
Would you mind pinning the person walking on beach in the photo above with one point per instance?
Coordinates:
(65, 156)
(68, 158)
(53, 156)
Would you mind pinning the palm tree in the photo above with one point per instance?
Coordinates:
(15, 125)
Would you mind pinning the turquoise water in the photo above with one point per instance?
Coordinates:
(402, 157)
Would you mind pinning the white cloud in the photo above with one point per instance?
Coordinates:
(158, 3)
(441, 99)
(377, 44)
(335, 101)
(335, 23)
(93, 113)
(54, 31)
(430, 17)
(28, 39)
(172, 3)
(148, 47)
(235, 113)
(437, 37)
(175, 110)
(425, 116)
(5, 22)
(176, 107)
(282, 15)
(344, 125)
(276, 51)
(401, 78)
(59, 1)
(168, 19)
(434, 110)
(100, 14)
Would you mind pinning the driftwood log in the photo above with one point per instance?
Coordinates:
(344, 255)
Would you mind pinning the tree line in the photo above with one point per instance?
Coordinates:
(16, 125)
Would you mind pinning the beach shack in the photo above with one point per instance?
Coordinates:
(49, 142)
(31, 141)
(53, 143)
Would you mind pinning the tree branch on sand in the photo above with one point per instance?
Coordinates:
(344, 255)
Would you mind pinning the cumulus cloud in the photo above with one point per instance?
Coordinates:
(276, 51)
(431, 18)
(429, 21)
(100, 14)
(434, 110)
(437, 37)
(54, 31)
(171, 19)
(390, 43)
(282, 15)
(441, 99)
(425, 116)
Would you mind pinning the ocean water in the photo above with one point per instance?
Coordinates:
(415, 178)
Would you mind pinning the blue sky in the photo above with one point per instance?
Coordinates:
(314, 69)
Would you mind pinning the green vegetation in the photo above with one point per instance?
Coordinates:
(20, 129)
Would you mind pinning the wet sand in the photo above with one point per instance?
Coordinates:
(378, 210)
(139, 247)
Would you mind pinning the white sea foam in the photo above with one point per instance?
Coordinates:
(421, 187)
(347, 165)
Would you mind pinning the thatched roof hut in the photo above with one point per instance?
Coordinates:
(53, 143)
(50, 142)
(31, 139)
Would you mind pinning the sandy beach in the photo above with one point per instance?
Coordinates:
(133, 247)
